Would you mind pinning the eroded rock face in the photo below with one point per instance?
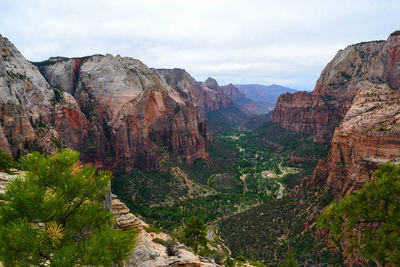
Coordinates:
(367, 136)
(318, 113)
(118, 112)
(358, 97)
(386, 67)
(207, 96)
(25, 100)
(211, 83)
(132, 112)
(370, 132)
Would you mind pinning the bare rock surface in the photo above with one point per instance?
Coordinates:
(320, 112)
(147, 252)
(118, 112)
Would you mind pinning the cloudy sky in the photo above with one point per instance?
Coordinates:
(249, 41)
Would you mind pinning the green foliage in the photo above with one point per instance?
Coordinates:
(194, 234)
(6, 162)
(54, 215)
(240, 258)
(152, 229)
(289, 261)
(225, 120)
(257, 264)
(259, 152)
(269, 231)
(368, 219)
(159, 241)
(229, 262)
(58, 96)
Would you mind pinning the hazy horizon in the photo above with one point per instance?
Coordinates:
(239, 42)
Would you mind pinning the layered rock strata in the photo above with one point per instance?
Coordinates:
(370, 132)
(116, 111)
(319, 112)
(207, 96)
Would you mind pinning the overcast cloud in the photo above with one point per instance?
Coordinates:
(249, 41)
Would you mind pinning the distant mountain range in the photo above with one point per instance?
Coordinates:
(265, 95)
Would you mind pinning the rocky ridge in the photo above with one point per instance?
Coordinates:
(319, 112)
(369, 134)
(204, 98)
(355, 107)
(116, 111)
(242, 101)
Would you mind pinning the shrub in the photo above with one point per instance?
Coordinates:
(171, 247)
(6, 162)
(152, 229)
(159, 241)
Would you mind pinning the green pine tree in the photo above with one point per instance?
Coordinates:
(289, 261)
(54, 215)
(368, 220)
(194, 234)
(6, 161)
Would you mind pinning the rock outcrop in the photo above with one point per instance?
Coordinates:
(204, 98)
(370, 132)
(148, 253)
(25, 100)
(118, 112)
(319, 112)
(141, 116)
(242, 101)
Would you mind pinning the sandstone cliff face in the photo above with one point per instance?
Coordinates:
(370, 132)
(318, 113)
(119, 113)
(207, 96)
(25, 100)
(132, 111)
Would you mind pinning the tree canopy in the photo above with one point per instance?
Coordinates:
(54, 215)
(194, 234)
(367, 221)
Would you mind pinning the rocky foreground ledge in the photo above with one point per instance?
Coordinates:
(147, 253)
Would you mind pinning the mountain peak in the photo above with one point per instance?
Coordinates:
(211, 83)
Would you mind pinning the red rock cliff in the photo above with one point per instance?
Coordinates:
(370, 131)
(119, 113)
(319, 112)
(133, 114)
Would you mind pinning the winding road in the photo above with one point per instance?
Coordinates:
(280, 192)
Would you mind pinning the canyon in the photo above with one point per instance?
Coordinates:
(116, 111)
(165, 137)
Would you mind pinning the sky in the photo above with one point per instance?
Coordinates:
(234, 41)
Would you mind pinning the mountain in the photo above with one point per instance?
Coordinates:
(203, 97)
(116, 111)
(320, 112)
(369, 133)
(355, 108)
(264, 95)
(242, 101)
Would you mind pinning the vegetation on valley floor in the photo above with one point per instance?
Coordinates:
(246, 165)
